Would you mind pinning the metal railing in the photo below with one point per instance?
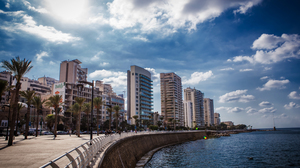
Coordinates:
(84, 155)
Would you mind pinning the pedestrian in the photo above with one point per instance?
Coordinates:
(70, 132)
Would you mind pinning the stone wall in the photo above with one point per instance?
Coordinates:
(128, 151)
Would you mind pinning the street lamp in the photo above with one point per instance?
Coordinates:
(80, 86)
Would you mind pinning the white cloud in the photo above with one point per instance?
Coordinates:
(267, 110)
(116, 79)
(39, 57)
(291, 105)
(267, 68)
(227, 69)
(40, 10)
(265, 77)
(241, 58)
(245, 70)
(104, 64)
(274, 84)
(265, 103)
(197, 77)
(272, 49)
(294, 95)
(236, 96)
(141, 38)
(26, 24)
(230, 109)
(154, 76)
(95, 58)
(52, 63)
(167, 16)
(251, 110)
(7, 5)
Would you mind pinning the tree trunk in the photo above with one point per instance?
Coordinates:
(27, 121)
(117, 120)
(37, 124)
(88, 123)
(109, 124)
(55, 123)
(78, 124)
(97, 122)
(14, 101)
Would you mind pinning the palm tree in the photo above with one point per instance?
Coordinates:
(170, 120)
(80, 101)
(117, 109)
(50, 119)
(55, 101)
(135, 119)
(19, 68)
(20, 106)
(28, 95)
(75, 109)
(87, 110)
(98, 105)
(109, 110)
(38, 103)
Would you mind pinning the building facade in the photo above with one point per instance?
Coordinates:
(171, 97)
(194, 98)
(139, 94)
(71, 72)
(208, 111)
(217, 119)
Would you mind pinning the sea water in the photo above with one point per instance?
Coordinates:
(279, 148)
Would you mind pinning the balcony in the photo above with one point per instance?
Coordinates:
(146, 81)
(146, 103)
(145, 77)
(144, 84)
(146, 99)
(146, 89)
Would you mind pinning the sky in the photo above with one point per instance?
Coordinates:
(243, 54)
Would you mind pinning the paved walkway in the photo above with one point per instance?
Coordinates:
(37, 151)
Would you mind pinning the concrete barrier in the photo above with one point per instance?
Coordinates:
(128, 151)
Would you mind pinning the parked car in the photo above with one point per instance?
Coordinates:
(47, 133)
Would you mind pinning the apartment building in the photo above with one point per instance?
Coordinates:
(217, 119)
(71, 72)
(139, 94)
(193, 107)
(208, 111)
(47, 81)
(171, 97)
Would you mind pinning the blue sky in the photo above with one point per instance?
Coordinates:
(244, 54)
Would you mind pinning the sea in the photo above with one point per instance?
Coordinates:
(280, 148)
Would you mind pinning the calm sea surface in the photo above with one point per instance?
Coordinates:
(279, 148)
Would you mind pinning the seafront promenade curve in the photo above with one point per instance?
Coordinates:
(130, 147)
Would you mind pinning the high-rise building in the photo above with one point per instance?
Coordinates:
(193, 107)
(217, 119)
(139, 94)
(171, 97)
(71, 72)
(208, 111)
(103, 87)
(47, 81)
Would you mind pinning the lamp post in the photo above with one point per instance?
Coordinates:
(80, 87)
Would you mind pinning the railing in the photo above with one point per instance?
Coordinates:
(85, 154)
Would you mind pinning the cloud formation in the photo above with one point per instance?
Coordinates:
(197, 77)
(272, 49)
(116, 79)
(230, 109)
(267, 110)
(274, 84)
(291, 105)
(39, 57)
(265, 103)
(23, 22)
(168, 16)
(294, 95)
(236, 96)
(227, 69)
(245, 70)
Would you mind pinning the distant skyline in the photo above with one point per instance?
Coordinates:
(243, 54)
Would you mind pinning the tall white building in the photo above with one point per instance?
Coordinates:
(139, 94)
(71, 72)
(193, 103)
(208, 111)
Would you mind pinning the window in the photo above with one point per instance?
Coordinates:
(137, 97)
(137, 101)
(137, 108)
(137, 113)
(132, 73)
(136, 73)
(137, 104)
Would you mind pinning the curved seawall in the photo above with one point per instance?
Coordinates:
(128, 151)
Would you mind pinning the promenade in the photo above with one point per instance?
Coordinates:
(37, 151)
